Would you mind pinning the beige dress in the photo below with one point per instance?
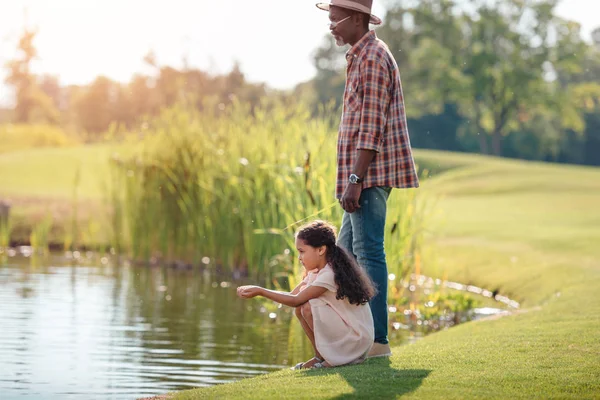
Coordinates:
(344, 332)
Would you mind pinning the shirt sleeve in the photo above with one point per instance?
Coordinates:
(304, 283)
(325, 279)
(375, 78)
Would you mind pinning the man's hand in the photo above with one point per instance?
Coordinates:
(248, 292)
(349, 200)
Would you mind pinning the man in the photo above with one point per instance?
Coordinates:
(373, 150)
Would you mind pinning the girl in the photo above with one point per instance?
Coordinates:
(331, 301)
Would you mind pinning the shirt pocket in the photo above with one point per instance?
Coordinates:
(353, 96)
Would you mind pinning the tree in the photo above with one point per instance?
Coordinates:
(142, 96)
(330, 80)
(427, 42)
(596, 37)
(493, 59)
(583, 85)
(95, 105)
(32, 104)
(50, 86)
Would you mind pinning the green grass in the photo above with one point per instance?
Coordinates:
(44, 181)
(527, 228)
(14, 137)
(50, 172)
(532, 231)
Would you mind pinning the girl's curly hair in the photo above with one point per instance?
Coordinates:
(352, 280)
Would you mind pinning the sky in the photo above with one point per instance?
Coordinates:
(273, 40)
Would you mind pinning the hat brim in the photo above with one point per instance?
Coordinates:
(372, 18)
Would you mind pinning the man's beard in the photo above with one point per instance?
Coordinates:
(339, 41)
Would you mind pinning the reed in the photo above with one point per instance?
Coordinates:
(410, 214)
(71, 239)
(227, 187)
(5, 229)
(40, 234)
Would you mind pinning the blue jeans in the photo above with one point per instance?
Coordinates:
(362, 235)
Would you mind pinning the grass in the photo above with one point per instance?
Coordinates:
(14, 137)
(529, 229)
(50, 172)
(45, 181)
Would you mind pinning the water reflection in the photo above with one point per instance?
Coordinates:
(104, 331)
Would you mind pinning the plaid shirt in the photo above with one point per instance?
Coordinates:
(373, 119)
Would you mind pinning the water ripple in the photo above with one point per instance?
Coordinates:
(71, 332)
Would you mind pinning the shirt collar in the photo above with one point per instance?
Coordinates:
(316, 271)
(355, 50)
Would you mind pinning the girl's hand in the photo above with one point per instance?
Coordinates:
(248, 292)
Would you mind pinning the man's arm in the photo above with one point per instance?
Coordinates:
(376, 97)
(351, 195)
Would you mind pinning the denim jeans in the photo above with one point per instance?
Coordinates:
(362, 235)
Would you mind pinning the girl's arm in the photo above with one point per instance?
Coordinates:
(297, 288)
(287, 299)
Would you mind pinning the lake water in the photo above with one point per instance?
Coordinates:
(87, 329)
(121, 332)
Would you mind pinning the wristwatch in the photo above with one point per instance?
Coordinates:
(354, 179)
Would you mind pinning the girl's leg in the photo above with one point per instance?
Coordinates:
(304, 314)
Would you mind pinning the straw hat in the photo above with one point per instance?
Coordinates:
(363, 6)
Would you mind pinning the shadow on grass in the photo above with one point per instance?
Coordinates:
(382, 382)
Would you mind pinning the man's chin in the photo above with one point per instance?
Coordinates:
(339, 41)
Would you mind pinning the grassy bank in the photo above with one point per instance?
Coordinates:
(65, 183)
(529, 229)
(15, 137)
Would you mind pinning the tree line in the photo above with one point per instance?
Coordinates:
(93, 108)
(502, 77)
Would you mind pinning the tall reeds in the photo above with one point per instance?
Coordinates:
(39, 237)
(5, 228)
(409, 219)
(226, 187)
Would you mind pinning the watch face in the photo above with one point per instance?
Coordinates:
(353, 178)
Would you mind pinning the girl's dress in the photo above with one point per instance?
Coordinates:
(344, 332)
